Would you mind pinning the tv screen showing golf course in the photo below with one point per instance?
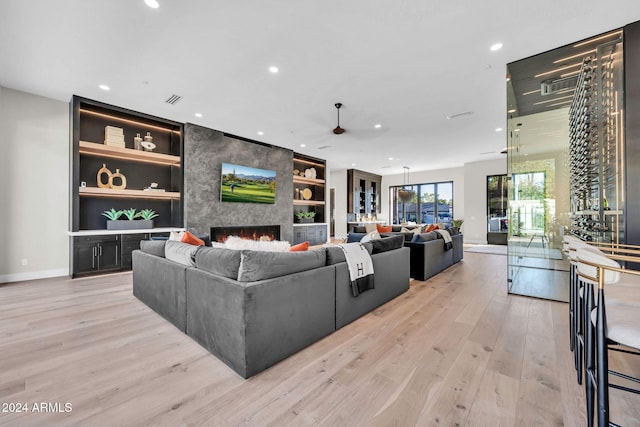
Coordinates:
(245, 184)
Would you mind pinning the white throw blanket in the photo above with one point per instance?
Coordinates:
(360, 267)
(448, 242)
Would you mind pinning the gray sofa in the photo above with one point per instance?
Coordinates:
(428, 254)
(252, 309)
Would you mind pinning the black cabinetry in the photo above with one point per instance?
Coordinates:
(103, 253)
(92, 254)
(131, 242)
(363, 190)
(315, 234)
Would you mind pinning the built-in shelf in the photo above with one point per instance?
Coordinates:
(303, 180)
(297, 159)
(308, 202)
(128, 194)
(96, 149)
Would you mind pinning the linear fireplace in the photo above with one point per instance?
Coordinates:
(248, 232)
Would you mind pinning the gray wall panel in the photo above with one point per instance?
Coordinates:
(204, 152)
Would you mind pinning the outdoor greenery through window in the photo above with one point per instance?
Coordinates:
(422, 203)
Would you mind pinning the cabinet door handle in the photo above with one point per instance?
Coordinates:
(100, 251)
(93, 260)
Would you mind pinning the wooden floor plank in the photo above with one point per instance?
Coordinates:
(454, 350)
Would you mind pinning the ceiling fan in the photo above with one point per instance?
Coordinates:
(338, 130)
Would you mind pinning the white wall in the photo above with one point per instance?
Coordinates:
(34, 190)
(338, 181)
(475, 197)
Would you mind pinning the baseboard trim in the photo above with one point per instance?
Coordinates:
(33, 275)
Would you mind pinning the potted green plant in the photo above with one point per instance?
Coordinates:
(457, 223)
(115, 223)
(305, 217)
(146, 217)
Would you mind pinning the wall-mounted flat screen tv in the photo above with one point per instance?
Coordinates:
(245, 184)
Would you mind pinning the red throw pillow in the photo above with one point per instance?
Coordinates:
(431, 227)
(191, 239)
(384, 229)
(300, 247)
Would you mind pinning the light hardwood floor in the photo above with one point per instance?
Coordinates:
(455, 350)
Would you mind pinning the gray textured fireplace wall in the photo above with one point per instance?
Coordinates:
(204, 152)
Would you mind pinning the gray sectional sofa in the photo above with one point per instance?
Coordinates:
(428, 254)
(252, 309)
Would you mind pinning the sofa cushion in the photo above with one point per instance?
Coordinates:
(183, 253)
(374, 235)
(153, 247)
(221, 261)
(234, 242)
(396, 228)
(191, 239)
(300, 247)
(360, 229)
(387, 243)
(384, 228)
(370, 227)
(335, 255)
(406, 236)
(425, 237)
(355, 237)
(430, 227)
(260, 265)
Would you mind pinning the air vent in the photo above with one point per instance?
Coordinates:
(549, 87)
(173, 99)
(324, 147)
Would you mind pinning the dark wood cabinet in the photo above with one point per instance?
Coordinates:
(102, 253)
(92, 254)
(363, 192)
(315, 234)
(106, 142)
(131, 242)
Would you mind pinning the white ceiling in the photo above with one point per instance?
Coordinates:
(404, 64)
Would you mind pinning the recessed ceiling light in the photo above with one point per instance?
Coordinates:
(353, 164)
(377, 126)
(303, 145)
(198, 114)
(273, 69)
(260, 132)
(104, 87)
(390, 158)
(498, 129)
(496, 46)
(513, 110)
(152, 4)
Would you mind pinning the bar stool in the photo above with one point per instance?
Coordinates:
(575, 305)
(614, 322)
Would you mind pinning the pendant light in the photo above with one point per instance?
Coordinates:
(406, 194)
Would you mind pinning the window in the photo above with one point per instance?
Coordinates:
(427, 203)
(497, 202)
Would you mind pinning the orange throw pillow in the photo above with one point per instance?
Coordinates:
(384, 229)
(431, 227)
(191, 239)
(300, 247)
